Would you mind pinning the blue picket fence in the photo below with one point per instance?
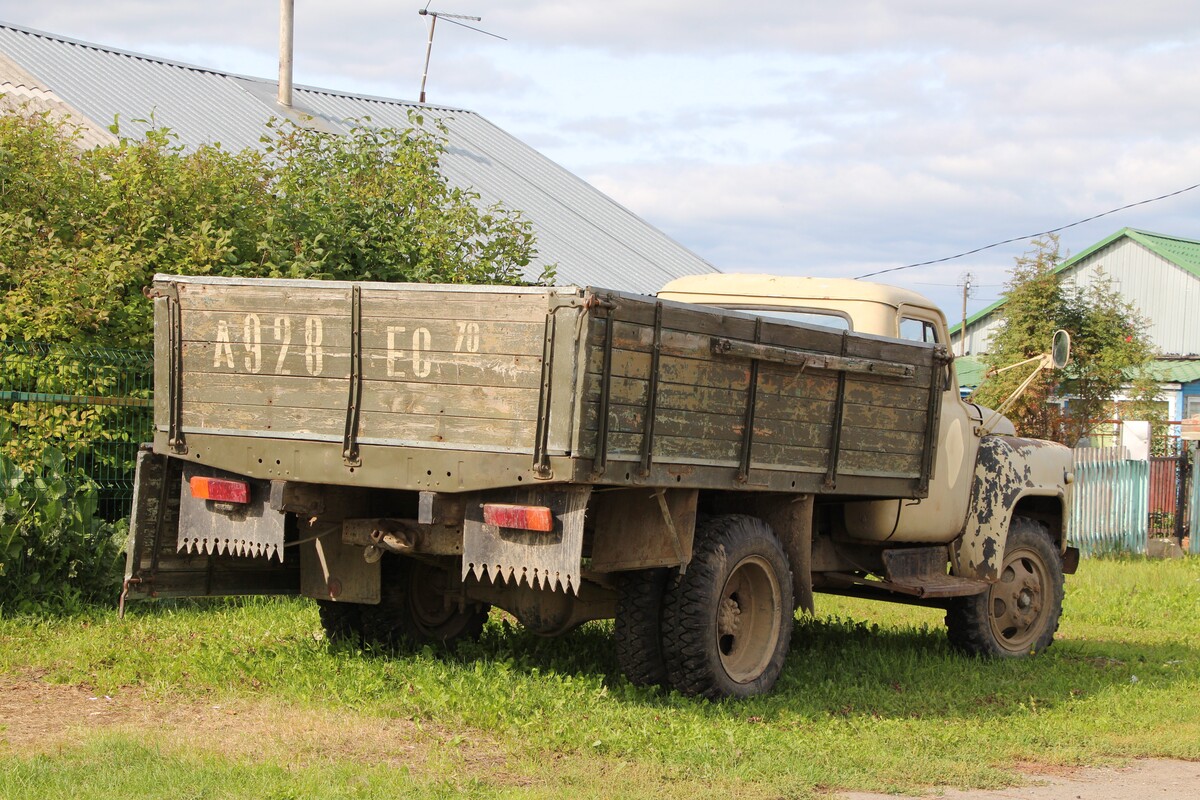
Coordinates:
(1194, 515)
(1110, 509)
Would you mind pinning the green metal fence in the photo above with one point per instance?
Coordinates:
(94, 404)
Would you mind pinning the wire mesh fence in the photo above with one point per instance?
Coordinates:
(94, 404)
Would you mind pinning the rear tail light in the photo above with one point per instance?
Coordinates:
(526, 518)
(220, 489)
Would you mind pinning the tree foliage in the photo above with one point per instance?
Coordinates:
(1110, 350)
(83, 231)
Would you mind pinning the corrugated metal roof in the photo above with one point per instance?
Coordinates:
(1183, 253)
(969, 371)
(592, 239)
(1170, 370)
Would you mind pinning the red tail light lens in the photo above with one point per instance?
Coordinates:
(526, 518)
(220, 489)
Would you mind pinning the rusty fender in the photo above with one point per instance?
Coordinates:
(1007, 469)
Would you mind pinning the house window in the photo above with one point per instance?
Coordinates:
(1191, 407)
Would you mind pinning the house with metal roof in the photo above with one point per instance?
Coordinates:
(1160, 276)
(590, 238)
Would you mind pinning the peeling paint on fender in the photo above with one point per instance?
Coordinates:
(1007, 469)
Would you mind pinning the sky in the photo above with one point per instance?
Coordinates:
(792, 137)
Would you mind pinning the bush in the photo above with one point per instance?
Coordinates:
(55, 551)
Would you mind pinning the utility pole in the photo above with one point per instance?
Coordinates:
(966, 281)
(287, 15)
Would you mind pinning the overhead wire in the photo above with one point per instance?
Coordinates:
(1029, 236)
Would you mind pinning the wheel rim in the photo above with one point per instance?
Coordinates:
(1017, 602)
(748, 619)
(427, 599)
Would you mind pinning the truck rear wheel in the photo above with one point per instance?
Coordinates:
(727, 621)
(1019, 614)
(637, 629)
(414, 608)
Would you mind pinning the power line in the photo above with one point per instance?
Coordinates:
(1031, 235)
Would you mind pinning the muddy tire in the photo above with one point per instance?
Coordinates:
(727, 621)
(342, 622)
(1019, 614)
(414, 609)
(637, 630)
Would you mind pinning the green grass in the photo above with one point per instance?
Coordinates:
(872, 699)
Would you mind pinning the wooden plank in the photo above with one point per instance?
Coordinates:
(705, 428)
(403, 335)
(684, 371)
(782, 458)
(319, 423)
(395, 397)
(884, 418)
(452, 306)
(283, 421)
(259, 297)
(470, 433)
(202, 359)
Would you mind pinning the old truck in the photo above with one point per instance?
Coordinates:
(695, 465)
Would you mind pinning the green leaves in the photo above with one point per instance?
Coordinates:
(54, 551)
(82, 231)
(1109, 350)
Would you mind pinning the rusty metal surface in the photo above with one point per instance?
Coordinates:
(330, 569)
(633, 530)
(549, 560)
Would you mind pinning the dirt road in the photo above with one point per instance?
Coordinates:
(1150, 779)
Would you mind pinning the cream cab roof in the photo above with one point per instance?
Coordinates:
(734, 287)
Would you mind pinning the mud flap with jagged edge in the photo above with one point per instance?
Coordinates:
(252, 529)
(550, 560)
(156, 567)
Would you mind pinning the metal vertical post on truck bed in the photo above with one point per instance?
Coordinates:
(652, 394)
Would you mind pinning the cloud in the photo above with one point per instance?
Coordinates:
(833, 138)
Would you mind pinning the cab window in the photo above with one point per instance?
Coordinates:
(918, 330)
(827, 319)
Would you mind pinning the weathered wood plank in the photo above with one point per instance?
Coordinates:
(705, 428)
(202, 359)
(404, 335)
(255, 296)
(397, 397)
(471, 433)
(445, 306)
(783, 458)
(687, 328)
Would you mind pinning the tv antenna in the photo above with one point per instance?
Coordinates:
(451, 18)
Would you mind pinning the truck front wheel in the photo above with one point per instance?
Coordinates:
(727, 621)
(1019, 614)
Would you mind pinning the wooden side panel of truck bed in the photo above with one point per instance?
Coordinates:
(458, 388)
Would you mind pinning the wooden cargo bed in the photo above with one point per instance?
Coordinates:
(460, 388)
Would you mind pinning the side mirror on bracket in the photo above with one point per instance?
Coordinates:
(1058, 357)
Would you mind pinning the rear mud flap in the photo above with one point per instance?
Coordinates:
(550, 560)
(154, 567)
